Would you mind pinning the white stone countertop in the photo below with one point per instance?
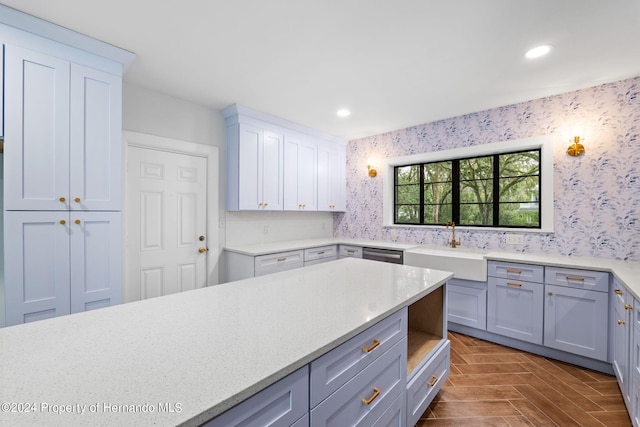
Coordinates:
(294, 245)
(200, 351)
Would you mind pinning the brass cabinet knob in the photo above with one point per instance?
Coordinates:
(62, 199)
(201, 238)
(628, 306)
(620, 322)
(63, 222)
(617, 292)
(202, 250)
(550, 293)
(77, 221)
(77, 200)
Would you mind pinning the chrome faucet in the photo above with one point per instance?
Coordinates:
(452, 242)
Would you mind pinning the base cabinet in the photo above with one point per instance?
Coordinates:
(281, 404)
(515, 306)
(60, 263)
(426, 383)
(467, 303)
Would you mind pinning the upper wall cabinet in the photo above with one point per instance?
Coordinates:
(63, 130)
(300, 166)
(332, 166)
(273, 164)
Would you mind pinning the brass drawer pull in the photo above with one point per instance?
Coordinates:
(628, 307)
(511, 270)
(282, 259)
(617, 291)
(376, 342)
(620, 322)
(576, 279)
(321, 253)
(517, 285)
(433, 381)
(376, 393)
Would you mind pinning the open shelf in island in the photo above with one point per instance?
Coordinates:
(426, 328)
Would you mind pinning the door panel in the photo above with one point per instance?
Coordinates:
(167, 200)
(96, 270)
(95, 147)
(36, 266)
(36, 131)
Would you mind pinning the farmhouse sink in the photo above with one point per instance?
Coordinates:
(468, 264)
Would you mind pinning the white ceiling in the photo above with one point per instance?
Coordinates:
(393, 63)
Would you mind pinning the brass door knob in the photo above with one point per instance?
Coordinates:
(202, 250)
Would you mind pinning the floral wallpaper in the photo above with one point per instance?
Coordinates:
(597, 195)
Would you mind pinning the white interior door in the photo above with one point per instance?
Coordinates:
(166, 223)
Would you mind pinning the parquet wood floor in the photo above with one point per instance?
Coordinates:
(492, 385)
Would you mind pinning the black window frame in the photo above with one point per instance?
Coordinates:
(455, 196)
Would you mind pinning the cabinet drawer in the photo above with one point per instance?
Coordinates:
(322, 252)
(330, 371)
(272, 263)
(282, 403)
(581, 279)
(510, 270)
(347, 251)
(426, 384)
(467, 303)
(364, 398)
(395, 415)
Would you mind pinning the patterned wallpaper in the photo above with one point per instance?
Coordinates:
(597, 195)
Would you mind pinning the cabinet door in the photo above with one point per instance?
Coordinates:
(95, 140)
(514, 309)
(621, 329)
(575, 320)
(249, 185)
(331, 178)
(96, 260)
(467, 305)
(36, 265)
(300, 174)
(271, 171)
(36, 149)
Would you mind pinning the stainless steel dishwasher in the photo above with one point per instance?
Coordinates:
(384, 255)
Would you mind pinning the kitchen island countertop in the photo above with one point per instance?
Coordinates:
(182, 359)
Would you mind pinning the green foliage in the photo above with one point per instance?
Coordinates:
(517, 198)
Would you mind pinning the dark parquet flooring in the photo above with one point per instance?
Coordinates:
(492, 385)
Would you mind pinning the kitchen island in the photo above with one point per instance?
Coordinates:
(185, 358)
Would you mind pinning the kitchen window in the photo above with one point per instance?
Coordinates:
(497, 190)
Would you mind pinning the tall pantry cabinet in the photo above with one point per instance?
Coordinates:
(62, 171)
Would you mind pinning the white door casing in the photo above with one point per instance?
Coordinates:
(171, 204)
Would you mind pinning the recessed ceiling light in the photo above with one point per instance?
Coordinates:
(343, 112)
(538, 51)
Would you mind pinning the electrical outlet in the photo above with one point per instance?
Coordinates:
(515, 239)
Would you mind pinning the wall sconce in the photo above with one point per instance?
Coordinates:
(576, 149)
(371, 167)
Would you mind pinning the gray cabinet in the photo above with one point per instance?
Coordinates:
(575, 317)
(515, 306)
(621, 329)
(467, 303)
(280, 404)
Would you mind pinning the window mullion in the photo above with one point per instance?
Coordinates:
(421, 208)
(496, 190)
(455, 191)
